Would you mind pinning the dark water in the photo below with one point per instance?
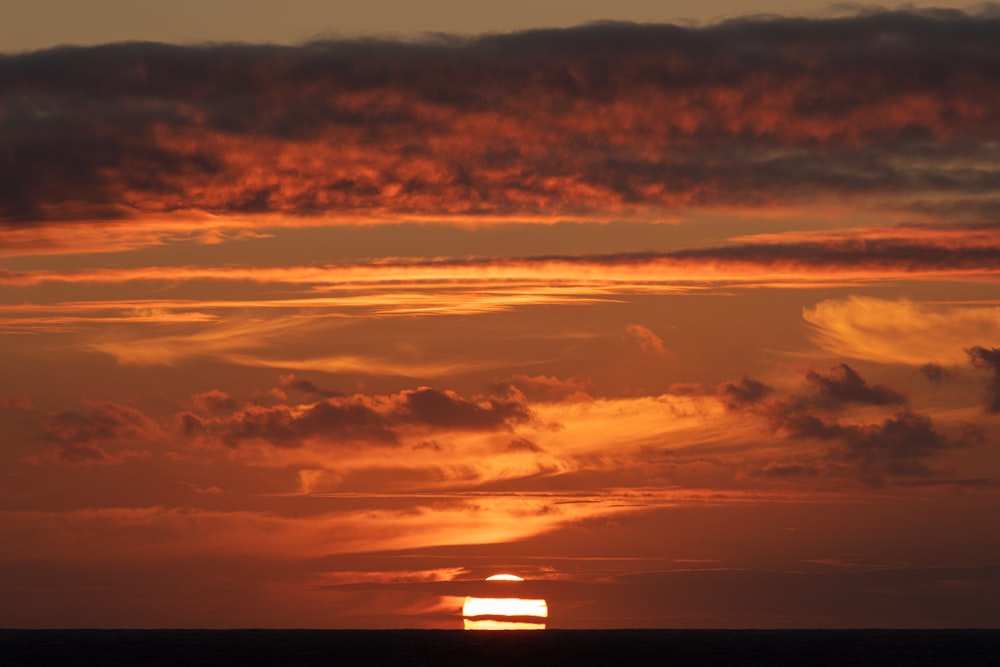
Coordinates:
(669, 648)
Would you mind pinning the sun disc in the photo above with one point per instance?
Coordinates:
(504, 613)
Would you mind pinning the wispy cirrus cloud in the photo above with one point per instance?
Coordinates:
(902, 331)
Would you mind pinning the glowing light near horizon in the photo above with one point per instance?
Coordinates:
(504, 613)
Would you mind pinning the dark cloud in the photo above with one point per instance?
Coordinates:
(904, 444)
(362, 419)
(897, 254)
(342, 421)
(898, 446)
(307, 387)
(746, 392)
(446, 409)
(101, 435)
(988, 359)
(104, 421)
(844, 385)
(934, 372)
(595, 118)
(523, 445)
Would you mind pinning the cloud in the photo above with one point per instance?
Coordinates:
(840, 258)
(105, 434)
(844, 385)
(377, 419)
(897, 446)
(934, 372)
(989, 360)
(307, 387)
(901, 331)
(902, 444)
(16, 404)
(446, 409)
(213, 401)
(549, 387)
(647, 341)
(609, 117)
(104, 421)
(282, 426)
(746, 392)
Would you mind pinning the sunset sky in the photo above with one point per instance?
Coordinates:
(317, 317)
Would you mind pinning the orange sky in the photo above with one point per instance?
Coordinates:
(687, 326)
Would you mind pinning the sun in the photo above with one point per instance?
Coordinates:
(504, 612)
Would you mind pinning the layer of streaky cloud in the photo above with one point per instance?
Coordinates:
(895, 107)
(838, 259)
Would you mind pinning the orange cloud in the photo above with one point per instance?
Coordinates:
(647, 341)
(518, 124)
(901, 331)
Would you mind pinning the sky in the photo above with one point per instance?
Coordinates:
(318, 317)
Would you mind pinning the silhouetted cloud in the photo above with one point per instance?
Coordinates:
(307, 387)
(336, 422)
(934, 372)
(522, 445)
(989, 360)
(376, 419)
(746, 392)
(605, 117)
(104, 421)
(844, 385)
(897, 446)
(105, 434)
(903, 444)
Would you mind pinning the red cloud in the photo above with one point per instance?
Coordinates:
(597, 119)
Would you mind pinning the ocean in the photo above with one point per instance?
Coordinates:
(667, 648)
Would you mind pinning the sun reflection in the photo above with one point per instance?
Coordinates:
(504, 613)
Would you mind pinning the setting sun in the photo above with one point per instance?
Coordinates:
(504, 613)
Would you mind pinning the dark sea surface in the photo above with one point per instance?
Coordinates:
(669, 648)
